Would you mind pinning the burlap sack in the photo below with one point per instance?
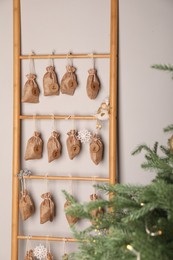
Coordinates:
(31, 90)
(49, 256)
(73, 144)
(71, 219)
(46, 208)
(69, 81)
(95, 212)
(65, 257)
(26, 205)
(29, 255)
(96, 149)
(93, 84)
(54, 147)
(34, 147)
(50, 82)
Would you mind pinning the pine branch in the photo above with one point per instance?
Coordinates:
(69, 197)
(168, 128)
(140, 148)
(163, 67)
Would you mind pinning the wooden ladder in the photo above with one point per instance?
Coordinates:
(17, 117)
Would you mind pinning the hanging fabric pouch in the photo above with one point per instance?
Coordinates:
(69, 81)
(46, 208)
(50, 82)
(34, 147)
(54, 147)
(71, 219)
(31, 90)
(93, 84)
(73, 144)
(96, 149)
(29, 255)
(26, 205)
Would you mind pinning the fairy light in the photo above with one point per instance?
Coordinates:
(131, 249)
(153, 234)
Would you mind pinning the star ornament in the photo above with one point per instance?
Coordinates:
(40, 252)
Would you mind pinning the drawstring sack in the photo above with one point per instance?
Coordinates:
(26, 205)
(50, 82)
(54, 147)
(96, 149)
(31, 90)
(46, 208)
(71, 219)
(93, 84)
(69, 81)
(34, 147)
(73, 144)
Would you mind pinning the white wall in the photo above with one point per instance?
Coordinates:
(145, 95)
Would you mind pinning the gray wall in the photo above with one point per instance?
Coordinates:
(145, 95)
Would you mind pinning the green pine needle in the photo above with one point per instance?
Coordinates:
(163, 67)
(168, 128)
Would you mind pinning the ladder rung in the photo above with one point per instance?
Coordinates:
(77, 117)
(73, 178)
(65, 56)
(60, 239)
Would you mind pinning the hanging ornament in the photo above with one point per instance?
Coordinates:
(46, 208)
(95, 212)
(50, 82)
(29, 255)
(71, 219)
(96, 149)
(31, 90)
(40, 252)
(93, 84)
(103, 111)
(54, 147)
(29, 252)
(69, 81)
(26, 205)
(170, 143)
(84, 136)
(73, 144)
(49, 256)
(34, 147)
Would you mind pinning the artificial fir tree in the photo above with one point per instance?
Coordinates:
(138, 221)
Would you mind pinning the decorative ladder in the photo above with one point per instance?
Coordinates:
(17, 117)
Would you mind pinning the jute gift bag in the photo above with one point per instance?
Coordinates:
(26, 205)
(71, 219)
(29, 255)
(96, 149)
(93, 84)
(31, 90)
(46, 208)
(50, 82)
(69, 81)
(95, 213)
(73, 144)
(49, 256)
(34, 147)
(54, 147)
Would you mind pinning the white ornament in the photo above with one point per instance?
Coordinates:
(84, 136)
(104, 110)
(40, 252)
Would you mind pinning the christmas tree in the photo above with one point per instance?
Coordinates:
(137, 222)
